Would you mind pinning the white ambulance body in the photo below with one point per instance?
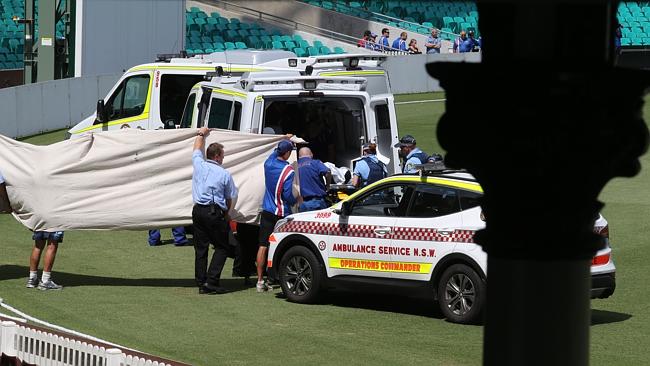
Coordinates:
(152, 96)
(334, 106)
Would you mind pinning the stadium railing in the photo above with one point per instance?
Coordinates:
(383, 18)
(43, 347)
(262, 16)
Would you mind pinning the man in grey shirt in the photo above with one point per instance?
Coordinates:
(433, 42)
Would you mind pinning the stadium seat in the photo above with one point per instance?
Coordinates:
(325, 50)
(300, 52)
(338, 50)
(215, 15)
(230, 46)
(289, 45)
(241, 45)
(313, 51)
(277, 45)
(317, 44)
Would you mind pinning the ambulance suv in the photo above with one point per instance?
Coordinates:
(404, 233)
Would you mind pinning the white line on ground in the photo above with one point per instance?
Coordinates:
(422, 101)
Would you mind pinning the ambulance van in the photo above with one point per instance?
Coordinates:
(152, 96)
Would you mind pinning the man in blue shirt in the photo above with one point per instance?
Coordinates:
(433, 42)
(369, 169)
(383, 44)
(400, 43)
(411, 154)
(312, 184)
(278, 199)
(213, 191)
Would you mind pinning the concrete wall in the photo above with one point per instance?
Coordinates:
(51, 105)
(407, 74)
(113, 35)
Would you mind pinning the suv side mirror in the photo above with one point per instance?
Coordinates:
(102, 114)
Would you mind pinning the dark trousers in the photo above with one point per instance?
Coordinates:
(209, 228)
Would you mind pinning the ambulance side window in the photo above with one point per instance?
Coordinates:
(433, 201)
(219, 116)
(236, 117)
(390, 200)
(469, 199)
(188, 113)
(129, 99)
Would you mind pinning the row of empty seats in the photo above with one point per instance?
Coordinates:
(12, 34)
(214, 33)
(634, 18)
(416, 16)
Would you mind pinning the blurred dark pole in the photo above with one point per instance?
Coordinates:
(543, 122)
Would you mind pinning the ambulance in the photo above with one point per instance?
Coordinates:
(153, 95)
(332, 102)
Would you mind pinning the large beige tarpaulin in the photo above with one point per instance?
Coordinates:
(126, 179)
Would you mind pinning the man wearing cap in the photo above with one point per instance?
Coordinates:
(369, 169)
(213, 191)
(411, 154)
(313, 174)
(278, 199)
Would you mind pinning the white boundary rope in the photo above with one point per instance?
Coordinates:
(422, 101)
(59, 328)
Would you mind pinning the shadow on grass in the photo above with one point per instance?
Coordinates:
(380, 302)
(606, 317)
(11, 272)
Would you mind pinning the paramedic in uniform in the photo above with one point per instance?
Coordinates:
(369, 169)
(278, 199)
(213, 191)
(411, 154)
(313, 174)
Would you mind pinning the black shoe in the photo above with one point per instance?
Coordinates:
(209, 290)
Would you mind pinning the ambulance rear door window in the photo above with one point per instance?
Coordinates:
(219, 116)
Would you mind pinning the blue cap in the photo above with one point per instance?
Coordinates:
(284, 146)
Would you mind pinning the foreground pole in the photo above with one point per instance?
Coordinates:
(543, 125)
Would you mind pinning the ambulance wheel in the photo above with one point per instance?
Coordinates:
(301, 275)
(461, 294)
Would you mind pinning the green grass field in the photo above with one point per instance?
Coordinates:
(120, 289)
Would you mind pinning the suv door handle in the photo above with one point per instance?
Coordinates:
(445, 232)
(381, 231)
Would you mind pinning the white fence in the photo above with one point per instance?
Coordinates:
(48, 349)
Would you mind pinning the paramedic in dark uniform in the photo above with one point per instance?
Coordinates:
(313, 174)
(411, 154)
(213, 191)
(369, 169)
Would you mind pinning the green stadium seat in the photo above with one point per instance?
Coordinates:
(218, 39)
(300, 52)
(206, 45)
(636, 41)
(267, 42)
(289, 45)
(297, 38)
(338, 50)
(325, 50)
(230, 46)
(277, 45)
(275, 38)
(254, 32)
(317, 44)
(218, 46)
(254, 42)
(194, 9)
(243, 33)
(206, 39)
(427, 24)
(304, 44)
(234, 20)
(241, 45)
(223, 20)
(215, 15)
(211, 21)
(313, 51)
(232, 26)
(244, 26)
(286, 38)
(264, 32)
(209, 50)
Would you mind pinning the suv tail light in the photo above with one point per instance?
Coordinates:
(602, 231)
(233, 226)
(599, 260)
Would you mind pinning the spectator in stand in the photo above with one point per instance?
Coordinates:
(400, 43)
(459, 41)
(362, 42)
(413, 47)
(371, 44)
(474, 44)
(433, 42)
(383, 44)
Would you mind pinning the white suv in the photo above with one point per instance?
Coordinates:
(403, 232)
